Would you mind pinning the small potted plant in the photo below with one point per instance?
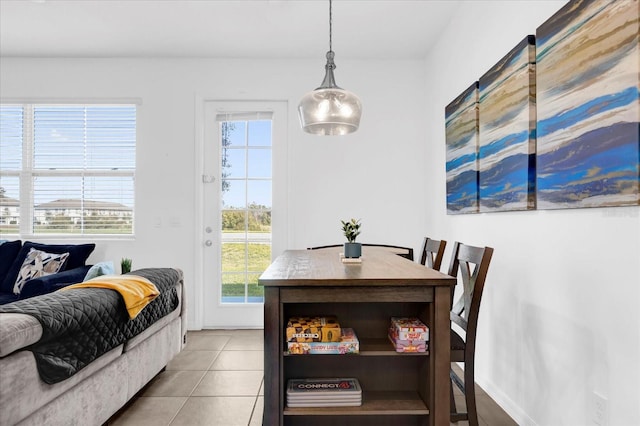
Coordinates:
(125, 265)
(351, 230)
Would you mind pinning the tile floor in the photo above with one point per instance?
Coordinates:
(217, 381)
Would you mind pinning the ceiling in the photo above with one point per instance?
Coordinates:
(362, 29)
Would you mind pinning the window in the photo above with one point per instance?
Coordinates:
(246, 204)
(67, 169)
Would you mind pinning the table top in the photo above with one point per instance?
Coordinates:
(379, 267)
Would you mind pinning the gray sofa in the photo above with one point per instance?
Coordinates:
(97, 391)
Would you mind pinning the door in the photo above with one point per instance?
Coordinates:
(241, 215)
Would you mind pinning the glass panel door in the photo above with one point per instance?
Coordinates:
(240, 150)
(246, 207)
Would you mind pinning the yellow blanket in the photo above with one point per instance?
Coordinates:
(136, 291)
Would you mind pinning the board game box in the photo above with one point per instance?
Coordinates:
(408, 345)
(313, 329)
(409, 329)
(323, 387)
(348, 344)
(324, 392)
(303, 404)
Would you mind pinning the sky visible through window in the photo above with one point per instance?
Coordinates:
(246, 208)
(71, 165)
(11, 123)
(61, 143)
(72, 138)
(249, 164)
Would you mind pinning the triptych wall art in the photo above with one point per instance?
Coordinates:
(462, 152)
(557, 120)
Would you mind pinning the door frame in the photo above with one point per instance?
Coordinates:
(280, 190)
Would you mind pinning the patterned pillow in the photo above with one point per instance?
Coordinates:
(38, 264)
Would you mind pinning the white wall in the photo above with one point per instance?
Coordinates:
(375, 174)
(560, 314)
(559, 317)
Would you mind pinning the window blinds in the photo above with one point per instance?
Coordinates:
(76, 166)
(245, 116)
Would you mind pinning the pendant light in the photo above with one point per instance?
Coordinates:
(330, 110)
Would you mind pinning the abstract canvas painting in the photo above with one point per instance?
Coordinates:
(588, 105)
(507, 129)
(461, 118)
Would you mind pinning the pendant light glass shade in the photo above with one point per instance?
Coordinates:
(330, 110)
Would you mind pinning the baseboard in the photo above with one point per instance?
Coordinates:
(506, 403)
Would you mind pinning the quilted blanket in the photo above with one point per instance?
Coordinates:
(82, 324)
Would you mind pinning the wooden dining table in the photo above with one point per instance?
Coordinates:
(398, 388)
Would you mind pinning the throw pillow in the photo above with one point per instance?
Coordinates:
(8, 253)
(38, 264)
(78, 254)
(101, 268)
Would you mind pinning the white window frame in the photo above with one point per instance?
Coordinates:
(28, 172)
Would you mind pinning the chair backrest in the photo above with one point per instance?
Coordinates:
(407, 251)
(432, 253)
(473, 264)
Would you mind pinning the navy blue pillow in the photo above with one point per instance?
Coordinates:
(8, 252)
(78, 255)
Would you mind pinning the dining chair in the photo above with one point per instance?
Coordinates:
(432, 253)
(473, 264)
(407, 252)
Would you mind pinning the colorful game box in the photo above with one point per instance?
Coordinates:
(348, 344)
(409, 329)
(408, 345)
(313, 329)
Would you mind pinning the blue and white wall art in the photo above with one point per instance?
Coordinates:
(507, 128)
(461, 118)
(588, 150)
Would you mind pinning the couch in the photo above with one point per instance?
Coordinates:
(12, 258)
(98, 390)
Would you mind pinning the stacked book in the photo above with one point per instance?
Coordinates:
(331, 392)
(408, 334)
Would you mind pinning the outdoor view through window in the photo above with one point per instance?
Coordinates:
(67, 169)
(246, 208)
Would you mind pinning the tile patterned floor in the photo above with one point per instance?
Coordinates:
(217, 381)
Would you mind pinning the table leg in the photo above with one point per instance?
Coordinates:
(440, 348)
(272, 348)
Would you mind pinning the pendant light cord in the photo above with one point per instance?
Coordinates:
(330, 27)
